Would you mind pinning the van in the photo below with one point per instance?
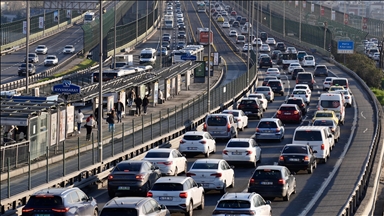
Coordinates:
(340, 82)
(148, 55)
(240, 39)
(263, 36)
(335, 102)
(319, 138)
(305, 78)
(221, 126)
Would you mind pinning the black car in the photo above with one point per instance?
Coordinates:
(236, 24)
(251, 107)
(231, 21)
(132, 177)
(243, 20)
(166, 44)
(215, 14)
(275, 54)
(238, 18)
(181, 35)
(281, 46)
(298, 157)
(296, 71)
(263, 36)
(321, 70)
(181, 26)
(22, 70)
(299, 102)
(180, 45)
(279, 59)
(265, 62)
(167, 38)
(276, 86)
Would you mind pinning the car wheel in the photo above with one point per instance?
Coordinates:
(146, 188)
(254, 163)
(315, 165)
(111, 194)
(190, 210)
(325, 159)
(233, 182)
(242, 127)
(207, 154)
(286, 198)
(224, 189)
(176, 170)
(95, 213)
(202, 205)
(310, 169)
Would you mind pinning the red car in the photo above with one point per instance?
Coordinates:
(289, 113)
(233, 13)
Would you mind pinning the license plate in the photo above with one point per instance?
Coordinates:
(294, 159)
(165, 198)
(287, 113)
(274, 87)
(236, 153)
(205, 185)
(266, 183)
(248, 112)
(124, 188)
(42, 214)
(192, 148)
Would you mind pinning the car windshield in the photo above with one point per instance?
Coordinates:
(31, 55)
(45, 201)
(248, 102)
(128, 166)
(157, 155)
(40, 47)
(307, 135)
(262, 89)
(323, 114)
(167, 187)
(267, 174)
(309, 58)
(295, 149)
(205, 166)
(339, 82)
(233, 204)
(119, 211)
(301, 87)
(193, 137)
(68, 47)
(217, 121)
(295, 65)
(50, 57)
(238, 144)
(298, 92)
(274, 83)
(305, 76)
(328, 123)
(267, 124)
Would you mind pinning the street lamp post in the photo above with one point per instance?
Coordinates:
(284, 20)
(114, 37)
(209, 61)
(100, 104)
(249, 41)
(325, 34)
(27, 48)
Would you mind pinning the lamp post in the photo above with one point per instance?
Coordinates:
(114, 37)
(249, 42)
(325, 34)
(300, 23)
(27, 49)
(100, 104)
(284, 20)
(381, 59)
(209, 61)
(161, 33)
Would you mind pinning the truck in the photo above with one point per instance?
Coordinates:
(169, 21)
(122, 61)
(202, 35)
(288, 58)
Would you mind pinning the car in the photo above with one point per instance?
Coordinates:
(267, 78)
(321, 70)
(220, 19)
(264, 48)
(303, 94)
(166, 44)
(303, 86)
(251, 203)
(298, 157)
(179, 21)
(295, 72)
(257, 42)
(168, 35)
(376, 56)
(327, 83)
(291, 50)
(242, 150)
(235, 24)
(277, 86)
(163, 51)
(238, 18)
(169, 12)
(133, 177)
(273, 72)
(179, 15)
(269, 129)
(265, 61)
(180, 45)
(281, 46)
(262, 55)
(247, 47)
(231, 21)
(240, 39)
(267, 91)
(293, 66)
(224, 13)
(299, 102)
(272, 181)
(69, 49)
(181, 35)
(233, 33)
(275, 53)
(60, 201)
(289, 113)
(263, 100)
(325, 114)
(308, 61)
(241, 118)
(181, 26)
(271, 41)
(301, 55)
(166, 38)
(134, 206)
(179, 194)
(221, 126)
(32, 58)
(51, 60)
(226, 25)
(251, 107)
(197, 142)
(305, 78)
(340, 81)
(22, 69)
(170, 161)
(213, 174)
(233, 13)
(336, 88)
(41, 49)
(335, 128)
(348, 96)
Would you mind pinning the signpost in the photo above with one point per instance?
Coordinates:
(345, 47)
(66, 88)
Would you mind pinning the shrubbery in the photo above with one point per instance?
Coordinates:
(379, 94)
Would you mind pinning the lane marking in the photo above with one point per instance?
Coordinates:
(362, 114)
(366, 129)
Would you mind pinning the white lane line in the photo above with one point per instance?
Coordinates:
(365, 130)
(362, 115)
(326, 182)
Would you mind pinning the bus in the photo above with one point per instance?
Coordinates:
(288, 58)
(110, 74)
(89, 17)
(201, 7)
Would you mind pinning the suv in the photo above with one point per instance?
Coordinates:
(60, 201)
(41, 49)
(251, 107)
(22, 70)
(296, 71)
(276, 86)
(305, 78)
(132, 177)
(248, 202)
(51, 60)
(32, 58)
(298, 157)
(281, 46)
(269, 128)
(321, 70)
(263, 36)
(265, 61)
(179, 194)
(289, 112)
(221, 126)
(267, 78)
(134, 206)
(299, 102)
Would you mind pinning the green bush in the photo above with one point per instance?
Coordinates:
(379, 94)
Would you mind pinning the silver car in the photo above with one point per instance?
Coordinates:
(269, 128)
(335, 128)
(134, 206)
(267, 91)
(221, 126)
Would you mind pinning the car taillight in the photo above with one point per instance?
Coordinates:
(248, 152)
(149, 194)
(281, 158)
(228, 127)
(217, 175)
(306, 158)
(269, 93)
(190, 174)
(281, 181)
(302, 105)
(182, 141)
(205, 127)
(306, 96)
(257, 130)
(238, 120)
(110, 177)
(326, 83)
(297, 81)
(225, 152)
(203, 142)
(60, 210)
(322, 146)
(333, 130)
(139, 177)
(279, 84)
(251, 181)
(296, 112)
(183, 195)
(277, 129)
(167, 163)
(279, 112)
(292, 95)
(27, 210)
(312, 81)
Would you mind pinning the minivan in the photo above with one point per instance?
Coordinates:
(240, 39)
(221, 126)
(335, 102)
(337, 81)
(320, 139)
(305, 78)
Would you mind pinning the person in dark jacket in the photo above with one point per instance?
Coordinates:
(145, 104)
(111, 121)
(119, 109)
(138, 102)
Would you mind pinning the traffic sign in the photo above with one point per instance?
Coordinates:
(345, 47)
(188, 57)
(66, 88)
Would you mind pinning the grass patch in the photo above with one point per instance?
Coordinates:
(83, 65)
(379, 94)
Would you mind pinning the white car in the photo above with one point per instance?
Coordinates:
(308, 61)
(270, 41)
(242, 150)
(376, 56)
(226, 25)
(348, 97)
(264, 48)
(197, 142)
(178, 194)
(247, 46)
(327, 83)
(303, 87)
(273, 72)
(233, 33)
(291, 50)
(213, 174)
(51, 60)
(262, 99)
(257, 41)
(41, 49)
(267, 91)
(303, 94)
(241, 118)
(224, 13)
(293, 66)
(69, 49)
(170, 161)
(179, 15)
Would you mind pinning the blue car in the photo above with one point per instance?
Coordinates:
(269, 129)
(163, 51)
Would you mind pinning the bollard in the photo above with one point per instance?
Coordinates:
(142, 129)
(63, 158)
(122, 138)
(93, 150)
(78, 153)
(169, 128)
(160, 122)
(29, 171)
(9, 176)
(47, 165)
(175, 117)
(151, 126)
(133, 132)
(113, 143)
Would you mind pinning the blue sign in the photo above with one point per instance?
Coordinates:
(66, 88)
(188, 57)
(345, 47)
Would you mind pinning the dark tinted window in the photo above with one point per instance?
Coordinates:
(248, 102)
(309, 58)
(119, 211)
(238, 144)
(304, 76)
(273, 83)
(339, 82)
(267, 174)
(233, 204)
(307, 135)
(262, 89)
(267, 124)
(323, 123)
(128, 166)
(265, 59)
(205, 166)
(193, 137)
(290, 56)
(45, 201)
(329, 103)
(298, 70)
(299, 92)
(298, 102)
(323, 114)
(217, 121)
(287, 108)
(295, 149)
(157, 155)
(240, 37)
(167, 187)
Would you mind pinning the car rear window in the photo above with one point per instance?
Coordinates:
(323, 123)
(324, 114)
(299, 92)
(240, 37)
(128, 166)
(298, 102)
(247, 102)
(167, 187)
(205, 166)
(267, 124)
(193, 137)
(238, 144)
(267, 174)
(45, 201)
(235, 114)
(330, 103)
(339, 82)
(233, 204)
(217, 121)
(262, 89)
(119, 211)
(287, 108)
(272, 83)
(298, 70)
(157, 155)
(307, 135)
(304, 76)
(308, 58)
(295, 149)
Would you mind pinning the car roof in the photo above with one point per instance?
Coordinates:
(272, 167)
(211, 160)
(161, 150)
(54, 191)
(293, 144)
(238, 196)
(239, 139)
(296, 98)
(131, 162)
(264, 87)
(310, 127)
(173, 179)
(249, 98)
(268, 119)
(195, 133)
(234, 110)
(125, 202)
(288, 105)
(306, 85)
(325, 111)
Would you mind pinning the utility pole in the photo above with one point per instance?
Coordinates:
(249, 41)
(209, 61)
(300, 23)
(114, 37)
(100, 106)
(284, 20)
(161, 33)
(27, 49)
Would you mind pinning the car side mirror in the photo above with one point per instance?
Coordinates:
(184, 155)
(162, 206)
(268, 202)
(232, 167)
(199, 185)
(314, 151)
(89, 199)
(156, 168)
(330, 136)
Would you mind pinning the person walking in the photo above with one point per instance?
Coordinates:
(111, 121)
(145, 104)
(119, 110)
(79, 120)
(131, 97)
(138, 103)
(89, 123)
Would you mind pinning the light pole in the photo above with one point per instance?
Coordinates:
(270, 17)
(161, 33)
(381, 59)
(284, 20)
(209, 62)
(137, 21)
(114, 37)
(300, 23)
(100, 106)
(325, 34)
(27, 49)
(249, 42)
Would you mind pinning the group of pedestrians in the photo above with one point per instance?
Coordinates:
(138, 102)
